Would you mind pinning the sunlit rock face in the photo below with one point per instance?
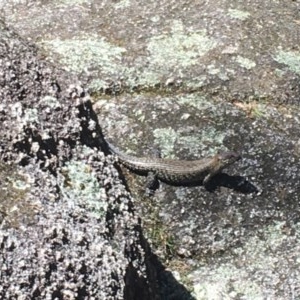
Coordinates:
(67, 226)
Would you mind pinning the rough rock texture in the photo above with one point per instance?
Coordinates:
(239, 50)
(77, 237)
(213, 75)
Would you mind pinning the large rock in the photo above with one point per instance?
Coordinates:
(68, 229)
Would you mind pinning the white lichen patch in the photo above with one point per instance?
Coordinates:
(24, 116)
(79, 54)
(31, 115)
(179, 49)
(51, 102)
(238, 14)
(289, 58)
(16, 110)
(245, 62)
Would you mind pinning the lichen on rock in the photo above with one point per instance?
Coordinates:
(82, 240)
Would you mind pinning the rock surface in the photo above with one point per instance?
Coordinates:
(68, 229)
(209, 75)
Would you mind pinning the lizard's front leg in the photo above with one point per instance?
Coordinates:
(152, 184)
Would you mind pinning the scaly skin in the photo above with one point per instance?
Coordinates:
(177, 171)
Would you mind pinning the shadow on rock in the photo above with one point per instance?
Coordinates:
(168, 287)
(236, 183)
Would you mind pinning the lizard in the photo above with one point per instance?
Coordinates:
(177, 172)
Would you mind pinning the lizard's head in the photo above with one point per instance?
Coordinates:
(227, 158)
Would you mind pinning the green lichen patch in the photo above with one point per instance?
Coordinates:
(71, 2)
(208, 135)
(179, 49)
(80, 54)
(196, 101)
(78, 182)
(122, 4)
(166, 137)
(258, 260)
(15, 205)
(222, 286)
(289, 58)
(245, 62)
(199, 126)
(238, 14)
